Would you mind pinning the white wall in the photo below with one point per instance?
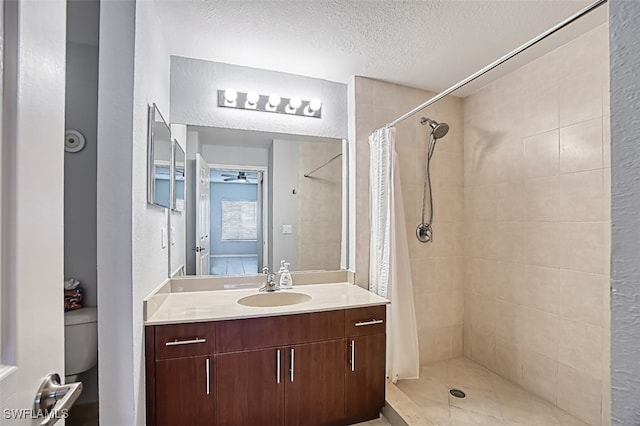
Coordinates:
(81, 113)
(243, 156)
(150, 260)
(177, 220)
(284, 177)
(624, 27)
(131, 261)
(194, 99)
(114, 212)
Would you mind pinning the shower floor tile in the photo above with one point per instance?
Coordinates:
(490, 399)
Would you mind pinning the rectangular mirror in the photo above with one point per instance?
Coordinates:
(272, 197)
(158, 159)
(178, 182)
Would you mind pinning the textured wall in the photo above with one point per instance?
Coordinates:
(115, 128)
(150, 260)
(194, 86)
(81, 113)
(436, 268)
(283, 203)
(134, 72)
(625, 162)
(537, 226)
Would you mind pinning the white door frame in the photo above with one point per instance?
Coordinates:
(265, 201)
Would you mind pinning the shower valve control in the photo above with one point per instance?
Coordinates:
(424, 233)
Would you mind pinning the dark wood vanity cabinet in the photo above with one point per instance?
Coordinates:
(180, 375)
(321, 368)
(250, 393)
(314, 391)
(365, 373)
(185, 392)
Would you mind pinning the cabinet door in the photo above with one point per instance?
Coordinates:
(365, 377)
(314, 393)
(185, 391)
(250, 387)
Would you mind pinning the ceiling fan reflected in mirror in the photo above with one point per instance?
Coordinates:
(241, 177)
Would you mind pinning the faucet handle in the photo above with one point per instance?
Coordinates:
(265, 269)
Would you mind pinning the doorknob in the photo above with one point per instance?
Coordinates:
(54, 399)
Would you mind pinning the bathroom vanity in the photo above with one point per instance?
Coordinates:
(213, 361)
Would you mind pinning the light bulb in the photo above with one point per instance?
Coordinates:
(252, 97)
(315, 104)
(230, 95)
(295, 102)
(274, 100)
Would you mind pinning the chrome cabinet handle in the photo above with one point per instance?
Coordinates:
(372, 322)
(55, 399)
(207, 367)
(185, 342)
(292, 353)
(278, 366)
(353, 355)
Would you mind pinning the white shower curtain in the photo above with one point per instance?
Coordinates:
(389, 267)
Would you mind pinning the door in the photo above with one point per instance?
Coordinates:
(31, 302)
(250, 388)
(365, 377)
(203, 216)
(314, 394)
(185, 391)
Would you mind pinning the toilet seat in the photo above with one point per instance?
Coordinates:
(81, 316)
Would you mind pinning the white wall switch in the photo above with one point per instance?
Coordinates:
(287, 229)
(164, 238)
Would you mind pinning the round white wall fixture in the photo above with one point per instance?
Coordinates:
(73, 141)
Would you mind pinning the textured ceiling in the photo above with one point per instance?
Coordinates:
(425, 44)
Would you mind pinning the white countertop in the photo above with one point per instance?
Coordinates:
(200, 306)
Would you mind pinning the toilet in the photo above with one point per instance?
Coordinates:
(80, 342)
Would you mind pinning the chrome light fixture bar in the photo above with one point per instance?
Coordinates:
(253, 101)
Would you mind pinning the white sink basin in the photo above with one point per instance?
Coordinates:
(274, 299)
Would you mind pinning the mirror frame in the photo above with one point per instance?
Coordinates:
(152, 121)
(175, 205)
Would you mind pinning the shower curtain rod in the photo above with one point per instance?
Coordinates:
(501, 60)
(318, 168)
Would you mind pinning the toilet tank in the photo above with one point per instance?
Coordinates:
(80, 340)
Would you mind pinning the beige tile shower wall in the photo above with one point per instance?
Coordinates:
(436, 268)
(537, 196)
(319, 207)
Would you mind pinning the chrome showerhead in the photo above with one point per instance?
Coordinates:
(439, 130)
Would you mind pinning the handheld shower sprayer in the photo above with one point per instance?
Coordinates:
(424, 232)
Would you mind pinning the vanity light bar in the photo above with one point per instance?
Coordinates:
(230, 98)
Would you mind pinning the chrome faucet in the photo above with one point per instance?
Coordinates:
(270, 285)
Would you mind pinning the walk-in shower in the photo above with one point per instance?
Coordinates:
(424, 231)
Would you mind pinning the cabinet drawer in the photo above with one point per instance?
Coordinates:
(180, 340)
(267, 332)
(365, 321)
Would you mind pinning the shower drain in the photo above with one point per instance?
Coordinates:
(457, 393)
